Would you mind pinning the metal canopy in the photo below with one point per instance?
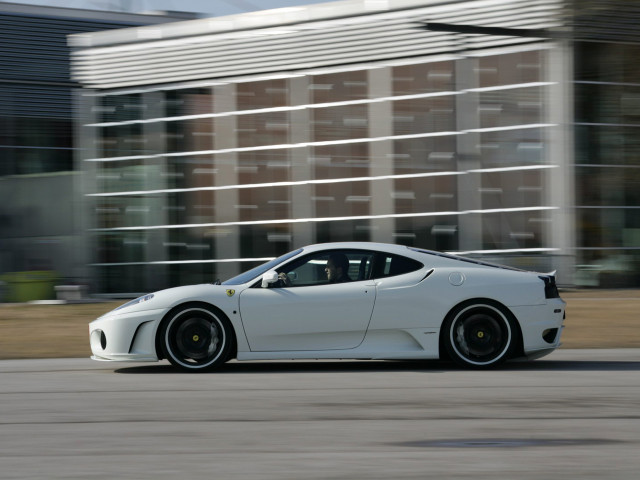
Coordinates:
(316, 36)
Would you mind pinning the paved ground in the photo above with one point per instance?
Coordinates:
(572, 415)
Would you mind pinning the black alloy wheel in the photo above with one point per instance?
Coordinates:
(195, 338)
(479, 335)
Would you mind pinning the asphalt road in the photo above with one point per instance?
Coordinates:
(575, 414)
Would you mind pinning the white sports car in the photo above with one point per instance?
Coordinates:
(343, 300)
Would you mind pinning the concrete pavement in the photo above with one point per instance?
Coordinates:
(574, 414)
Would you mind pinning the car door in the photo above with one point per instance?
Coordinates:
(311, 314)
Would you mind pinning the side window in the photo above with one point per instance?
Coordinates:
(309, 272)
(392, 265)
(328, 266)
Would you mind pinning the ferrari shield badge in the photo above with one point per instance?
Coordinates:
(230, 293)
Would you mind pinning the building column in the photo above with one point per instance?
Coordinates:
(560, 181)
(155, 142)
(85, 183)
(468, 156)
(381, 154)
(226, 201)
(301, 167)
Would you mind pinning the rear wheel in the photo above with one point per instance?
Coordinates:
(195, 338)
(479, 335)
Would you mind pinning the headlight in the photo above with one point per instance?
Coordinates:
(137, 301)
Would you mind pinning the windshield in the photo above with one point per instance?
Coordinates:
(260, 269)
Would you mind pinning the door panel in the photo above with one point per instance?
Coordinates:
(320, 317)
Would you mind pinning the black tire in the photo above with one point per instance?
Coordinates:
(196, 338)
(479, 334)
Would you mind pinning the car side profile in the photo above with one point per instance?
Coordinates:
(350, 300)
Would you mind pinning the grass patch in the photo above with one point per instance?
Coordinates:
(595, 319)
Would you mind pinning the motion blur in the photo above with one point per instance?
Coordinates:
(198, 149)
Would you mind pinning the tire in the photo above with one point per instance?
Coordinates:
(196, 338)
(479, 334)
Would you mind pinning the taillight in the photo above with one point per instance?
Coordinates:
(550, 287)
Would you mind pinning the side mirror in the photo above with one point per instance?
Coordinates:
(268, 278)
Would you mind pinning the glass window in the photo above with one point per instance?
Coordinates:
(188, 244)
(125, 176)
(607, 177)
(341, 199)
(424, 78)
(322, 268)
(189, 101)
(35, 145)
(190, 135)
(606, 187)
(195, 134)
(120, 108)
(260, 269)
(133, 279)
(516, 189)
(514, 68)
(437, 233)
(517, 106)
(607, 62)
(357, 230)
(340, 161)
(419, 155)
(189, 172)
(270, 128)
(263, 94)
(524, 146)
(425, 194)
(339, 87)
(267, 200)
(340, 123)
(121, 140)
(265, 240)
(389, 265)
(121, 247)
(190, 274)
(517, 230)
(424, 115)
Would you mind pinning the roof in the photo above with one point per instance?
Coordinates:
(300, 38)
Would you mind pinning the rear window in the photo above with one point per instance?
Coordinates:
(392, 265)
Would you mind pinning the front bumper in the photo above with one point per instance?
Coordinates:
(125, 337)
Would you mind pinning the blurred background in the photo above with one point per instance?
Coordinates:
(144, 147)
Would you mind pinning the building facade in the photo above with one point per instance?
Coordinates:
(39, 213)
(215, 144)
(606, 83)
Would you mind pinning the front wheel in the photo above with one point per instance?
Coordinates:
(479, 335)
(195, 338)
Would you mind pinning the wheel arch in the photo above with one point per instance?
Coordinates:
(160, 353)
(518, 350)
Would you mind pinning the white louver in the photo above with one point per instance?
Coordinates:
(340, 33)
